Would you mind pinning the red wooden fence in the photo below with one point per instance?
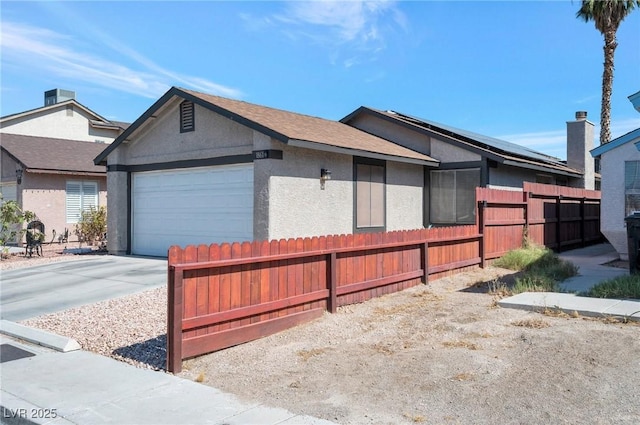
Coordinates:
(227, 294)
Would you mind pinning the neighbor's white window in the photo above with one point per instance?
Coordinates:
(81, 196)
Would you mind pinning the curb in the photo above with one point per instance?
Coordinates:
(39, 337)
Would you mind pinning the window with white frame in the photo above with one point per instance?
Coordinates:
(453, 196)
(631, 187)
(81, 196)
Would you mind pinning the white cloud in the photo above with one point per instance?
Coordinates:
(58, 54)
(354, 27)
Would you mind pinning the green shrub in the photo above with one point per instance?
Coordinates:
(13, 218)
(619, 287)
(541, 269)
(92, 225)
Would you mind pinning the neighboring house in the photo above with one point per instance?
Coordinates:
(197, 168)
(620, 169)
(468, 160)
(47, 159)
(54, 178)
(62, 117)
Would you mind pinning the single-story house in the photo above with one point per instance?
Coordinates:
(54, 178)
(620, 169)
(469, 159)
(197, 168)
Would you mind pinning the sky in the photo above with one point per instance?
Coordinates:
(514, 70)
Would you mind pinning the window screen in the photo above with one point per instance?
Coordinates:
(453, 196)
(370, 208)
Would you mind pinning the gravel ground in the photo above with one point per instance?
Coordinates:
(51, 253)
(442, 353)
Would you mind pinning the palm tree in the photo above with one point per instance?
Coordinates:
(607, 16)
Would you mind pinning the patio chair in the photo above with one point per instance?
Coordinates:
(34, 236)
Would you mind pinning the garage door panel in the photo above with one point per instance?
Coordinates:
(191, 206)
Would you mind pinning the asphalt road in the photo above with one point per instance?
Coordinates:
(47, 288)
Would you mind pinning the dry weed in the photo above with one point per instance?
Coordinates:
(461, 344)
(200, 377)
(464, 376)
(307, 354)
(532, 323)
(415, 418)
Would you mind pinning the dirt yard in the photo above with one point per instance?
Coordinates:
(437, 354)
(440, 354)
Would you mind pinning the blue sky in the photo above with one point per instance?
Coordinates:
(514, 70)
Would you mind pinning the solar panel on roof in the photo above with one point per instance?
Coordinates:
(490, 142)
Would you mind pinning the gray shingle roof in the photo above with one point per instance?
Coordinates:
(55, 155)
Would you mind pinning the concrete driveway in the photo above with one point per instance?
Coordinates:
(47, 288)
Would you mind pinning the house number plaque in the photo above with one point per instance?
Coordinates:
(267, 154)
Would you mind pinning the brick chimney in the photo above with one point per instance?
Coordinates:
(579, 145)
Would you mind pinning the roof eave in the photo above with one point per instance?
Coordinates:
(359, 152)
(542, 168)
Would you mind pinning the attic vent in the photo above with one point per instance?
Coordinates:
(187, 117)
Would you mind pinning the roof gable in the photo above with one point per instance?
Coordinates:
(94, 118)
(287, 127)
(631, 136)
(54, 155)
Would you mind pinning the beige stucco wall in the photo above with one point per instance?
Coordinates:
(59, 123)
(612, 212)
(388, 130)
(214, 136)
(446, 152)
(288, 199)
(45, 195)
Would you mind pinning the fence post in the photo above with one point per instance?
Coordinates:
(424, 261)
(583, 228)
(332, 304)
(558, 222)
(174, 321)
(481, 222)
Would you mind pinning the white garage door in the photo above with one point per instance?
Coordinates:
(191, 206)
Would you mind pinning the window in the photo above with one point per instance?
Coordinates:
(187, 117)
(81, 196)
(631, 187)
(453, 196)
(370, 194)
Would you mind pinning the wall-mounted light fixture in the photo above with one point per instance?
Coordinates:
(19, 175)
(324, 176)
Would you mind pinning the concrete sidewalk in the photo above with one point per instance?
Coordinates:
(591, 270)
(79, 387)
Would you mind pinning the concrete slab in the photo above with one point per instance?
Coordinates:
(625, 308)
(85, 388)
(570, 303)
(566, 302)
(39, 337)
(34, 291)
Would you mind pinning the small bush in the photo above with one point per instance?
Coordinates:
(520, 259)
(619, 287)
(92, 225)
(541, 269)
